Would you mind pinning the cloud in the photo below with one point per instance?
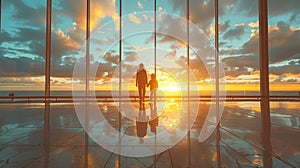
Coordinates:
(234, 33)
(291, 80)
(198, 68)
(111, 57)
(283, 47)
(132, 17)
(21, 81)
(279, 70)
(63, 44)
(140, 5)
(276, 7)
(295, 18)
(28, 39)
(238, 65)
(224, 26)
(283, 43)
(160, 9)
(228, 51)
(135, 47)
(22, 66)
(171, 55)
(77, 11)
(254, 24)
(27, 14)
(145, 17)
(131, 56)
(202, 11)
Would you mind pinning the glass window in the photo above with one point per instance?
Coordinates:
(22, 48)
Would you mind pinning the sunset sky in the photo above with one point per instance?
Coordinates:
(22, 43)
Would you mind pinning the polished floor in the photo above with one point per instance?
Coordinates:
(241, 140)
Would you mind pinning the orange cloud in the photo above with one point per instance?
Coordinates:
(98, 10)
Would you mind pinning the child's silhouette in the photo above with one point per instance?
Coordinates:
(153, 87)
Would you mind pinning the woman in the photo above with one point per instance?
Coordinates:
(141, 83)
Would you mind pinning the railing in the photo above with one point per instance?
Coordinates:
(205, 98)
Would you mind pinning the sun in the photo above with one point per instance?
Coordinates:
(171, 88)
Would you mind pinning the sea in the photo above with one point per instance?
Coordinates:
(135, 93)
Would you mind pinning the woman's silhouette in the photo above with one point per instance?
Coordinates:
(141, 83)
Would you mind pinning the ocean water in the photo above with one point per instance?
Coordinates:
(134, 93)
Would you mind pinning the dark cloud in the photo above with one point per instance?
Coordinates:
(27, 14)
(279, 70)
(283, 43)
(276, 7)
(201, 12)
(128, 70)
(198, 68)
(111, 57)
(234, 33)
(239, 65)
(224, 26)
(199, 41)
(236, 72)
(229, 51)
(27, 67)
(295, 18)
(131, 56)
(5, 37)
(26, 41)
(22, 66)
(283, 46)
(291, 80)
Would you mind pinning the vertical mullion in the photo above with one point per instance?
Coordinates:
(218, 137)
(0, 15)
(155, 36)
(263, 46)
(87, 58)
(47, 83)
(264, 83)
(120, 82)
(217, 57)
(87, 80)
(48, 48)
(155, 24)
(120, 62)
(188, 78)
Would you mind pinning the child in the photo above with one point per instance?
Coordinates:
(153, 86)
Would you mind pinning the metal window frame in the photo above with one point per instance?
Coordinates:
(0, 16)
(263, 50)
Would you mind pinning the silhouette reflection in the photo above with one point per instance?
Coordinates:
(141, 125)
(142, 121)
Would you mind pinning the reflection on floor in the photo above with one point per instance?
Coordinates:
(25, 142)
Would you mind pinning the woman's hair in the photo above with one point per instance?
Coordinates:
(141, 65)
